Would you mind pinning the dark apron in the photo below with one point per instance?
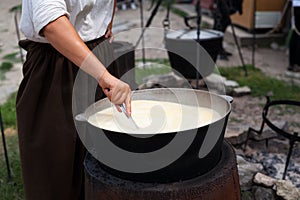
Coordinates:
(51, 152)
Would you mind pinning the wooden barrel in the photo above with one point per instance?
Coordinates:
(221, 182)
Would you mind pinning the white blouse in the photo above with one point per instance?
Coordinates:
(296, 3)
(89, 17)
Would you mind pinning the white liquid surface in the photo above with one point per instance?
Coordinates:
(154, 117)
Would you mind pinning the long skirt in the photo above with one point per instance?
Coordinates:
(51, 152)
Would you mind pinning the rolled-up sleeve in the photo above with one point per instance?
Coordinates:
(46, 11)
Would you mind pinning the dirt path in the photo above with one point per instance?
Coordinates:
(8, 45)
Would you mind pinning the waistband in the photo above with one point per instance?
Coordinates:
(27, 44)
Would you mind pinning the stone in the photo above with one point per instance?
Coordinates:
(274, 45)
(263, 179)
(246, 172)
(215, 82)
(266, 134)
(240, 91)
(236, 135)
(292, 75)
(230, 85)
(286, 190)
(263, 193)
(165, 80)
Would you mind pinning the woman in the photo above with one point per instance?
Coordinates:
(124, 6)
(60, 35)
(223, 10)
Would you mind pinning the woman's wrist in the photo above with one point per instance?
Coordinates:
(101, 79)
(92, 66)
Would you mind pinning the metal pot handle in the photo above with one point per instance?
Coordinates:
(81, 117)
(227, 98)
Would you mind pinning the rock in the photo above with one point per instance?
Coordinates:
(293, 77)
(230, 85)
(274, 45)
(215, 82)
(262, 193)
(265, 180)
(240, 91)
(286, 190)
(236, 135)
(166, 80)
(292, 74)
(246, 172)
(266, 134)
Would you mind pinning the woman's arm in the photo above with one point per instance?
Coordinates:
(65, 39)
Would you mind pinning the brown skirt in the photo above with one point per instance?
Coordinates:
(51, 152)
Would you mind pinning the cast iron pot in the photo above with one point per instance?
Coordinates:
(184, 51)
(197, 149)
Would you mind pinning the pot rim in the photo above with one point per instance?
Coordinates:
(90, 110)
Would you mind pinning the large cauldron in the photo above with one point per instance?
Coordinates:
(199, 148)
(186, 55)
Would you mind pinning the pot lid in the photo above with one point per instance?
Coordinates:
(184, 34)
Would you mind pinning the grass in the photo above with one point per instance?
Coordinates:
(17, 8)
(8, 63)
(13, 189)
(156, 66)
(5, 67)
(261, 84)
(175, 10)
(8, 111)
(12, 57)
(179, 12)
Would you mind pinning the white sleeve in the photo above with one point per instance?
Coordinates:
(46, 11)
(296, 3)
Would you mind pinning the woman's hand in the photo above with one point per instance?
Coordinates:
(116, 90)
(108, 33)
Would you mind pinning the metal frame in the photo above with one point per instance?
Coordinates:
(293, 137)
(4, 148)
